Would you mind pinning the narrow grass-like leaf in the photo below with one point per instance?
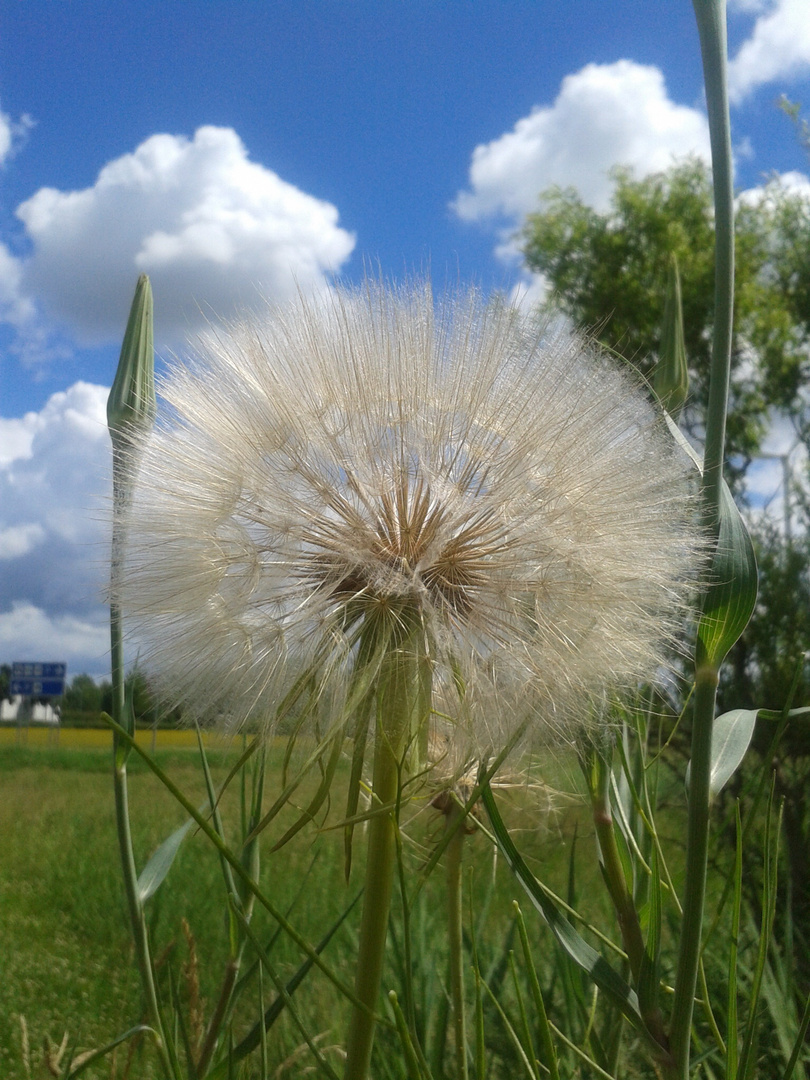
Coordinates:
(90, 1057)
(361, 728)
(234, 861)
(731, 737)
(262, 1028)
(528, 1068)
(243, 759)
(575, 946)
(594, 1069)
(732, 592)
(478, 1016)
(779, 991)
(750, 1039)
(549, 1053)
(216, 819)
(287, 997)
(736, 900)
(408, 1052)
(274, 1010)
(318, 799)
(527, 1041)
(180, 1025)
(160, 863)
(799, 1044)
(484, 778)
(649, 982)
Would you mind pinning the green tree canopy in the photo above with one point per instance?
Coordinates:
(608, 272)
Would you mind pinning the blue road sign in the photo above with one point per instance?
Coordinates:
(38, 679)
(38, 687)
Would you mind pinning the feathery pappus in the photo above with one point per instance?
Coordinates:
(380, 458)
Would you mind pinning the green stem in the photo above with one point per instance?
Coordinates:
(400, 695)
(711, 20)
(618, 888)
(453, 859)
(136, 913)
(697, 846)
(598, 774)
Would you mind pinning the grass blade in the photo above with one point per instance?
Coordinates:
(575, 946)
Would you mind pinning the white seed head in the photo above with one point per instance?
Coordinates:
(378, 456)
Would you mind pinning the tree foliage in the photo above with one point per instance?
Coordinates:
(608, 271)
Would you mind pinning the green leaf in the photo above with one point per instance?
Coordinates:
(798, 1045)
(153, 874)
(575, 946)
(541, 1018)
(748, 1054)
(320, 795)
(650, 977)
(731, 737)
(408, 1053)
(92, 1056)
(273, 1011)
(732, 1055)
(732, 591)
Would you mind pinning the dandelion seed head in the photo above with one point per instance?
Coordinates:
(378, 457)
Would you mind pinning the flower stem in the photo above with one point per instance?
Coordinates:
(454, 912)
(697, 846)
(399, 701)
(121, 488)
(711, 20)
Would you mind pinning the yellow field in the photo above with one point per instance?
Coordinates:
(99, 739)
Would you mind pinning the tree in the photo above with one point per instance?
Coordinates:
(82, 695)
(608, 271)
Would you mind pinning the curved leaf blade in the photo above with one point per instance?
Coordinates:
(732, 591)
(583, 955)
(154, 873)
(731, 737)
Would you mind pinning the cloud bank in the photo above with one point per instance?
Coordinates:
(54, 475)
(213, 229)
(778, 48)
(604, 115)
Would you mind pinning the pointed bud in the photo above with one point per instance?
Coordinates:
(671, 378)
(131, 404)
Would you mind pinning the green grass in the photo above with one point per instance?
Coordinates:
(67, 959)
(68, 963)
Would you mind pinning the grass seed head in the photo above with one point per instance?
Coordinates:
(377, 458)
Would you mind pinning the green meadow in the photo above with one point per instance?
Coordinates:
(68, 964)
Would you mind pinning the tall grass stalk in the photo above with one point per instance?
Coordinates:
(131, 406)
(711, 20)
(454, 883)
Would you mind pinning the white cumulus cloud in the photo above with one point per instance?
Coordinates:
(12, 134)
(794, 182)
(29, 633)
(212, 228)
(778, 48)
(54, 480)
(18, 540)
(604, 115)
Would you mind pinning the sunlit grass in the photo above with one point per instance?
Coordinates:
(68, 963)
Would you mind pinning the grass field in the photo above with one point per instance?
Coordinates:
(67, 959)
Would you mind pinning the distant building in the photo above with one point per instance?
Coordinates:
(12, 712)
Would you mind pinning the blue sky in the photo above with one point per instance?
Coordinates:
(233, 149)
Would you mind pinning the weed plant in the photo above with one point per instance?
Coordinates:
(407, 511)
